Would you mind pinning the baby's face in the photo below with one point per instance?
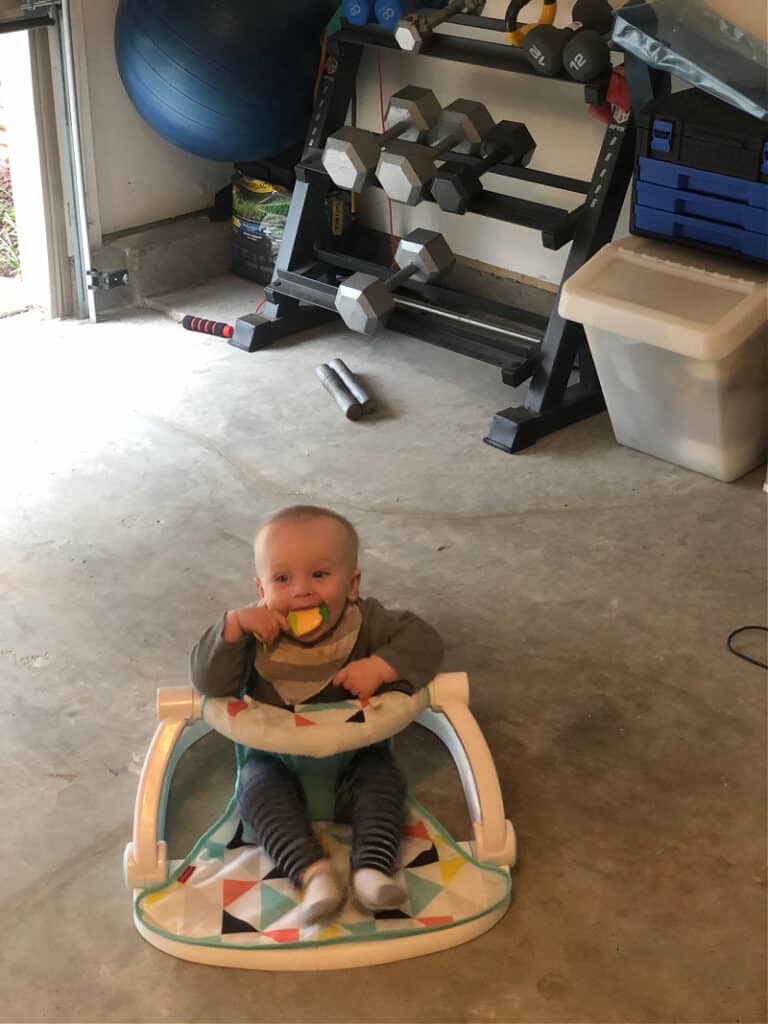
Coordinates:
(304, 564)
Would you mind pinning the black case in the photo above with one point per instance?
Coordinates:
(696, 130)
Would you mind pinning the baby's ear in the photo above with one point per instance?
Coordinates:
(259, 587)
(354, 586)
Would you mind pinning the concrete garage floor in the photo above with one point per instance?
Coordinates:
(587, 589)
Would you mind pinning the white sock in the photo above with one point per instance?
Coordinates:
(323, 894)
(377, 891)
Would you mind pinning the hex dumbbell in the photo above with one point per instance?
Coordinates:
(455, 185)
(351, 154)
(406, 168)
(414, 30)
(364, 302)
(545, 45)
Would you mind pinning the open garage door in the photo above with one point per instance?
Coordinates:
(54, 19)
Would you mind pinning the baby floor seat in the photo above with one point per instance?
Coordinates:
(227, 904)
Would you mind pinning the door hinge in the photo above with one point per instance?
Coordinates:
(104, 280)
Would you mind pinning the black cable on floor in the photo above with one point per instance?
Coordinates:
(740, 654)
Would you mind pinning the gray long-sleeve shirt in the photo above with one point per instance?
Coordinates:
(222, 668)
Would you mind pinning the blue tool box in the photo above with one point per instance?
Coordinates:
(697, 204)
(702, 175)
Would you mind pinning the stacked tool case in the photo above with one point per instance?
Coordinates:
(702, 175)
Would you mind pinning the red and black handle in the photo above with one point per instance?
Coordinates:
(197, 323)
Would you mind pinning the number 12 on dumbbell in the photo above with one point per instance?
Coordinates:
(579, 48)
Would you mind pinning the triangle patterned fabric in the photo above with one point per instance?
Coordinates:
(229, 894)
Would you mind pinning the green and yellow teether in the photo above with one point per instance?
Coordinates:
(305, 620)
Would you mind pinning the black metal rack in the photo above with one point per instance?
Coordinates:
(550, 352)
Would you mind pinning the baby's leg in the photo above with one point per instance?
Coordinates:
(272, 802)
(371, 795)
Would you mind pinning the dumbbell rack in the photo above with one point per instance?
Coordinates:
(550, 352)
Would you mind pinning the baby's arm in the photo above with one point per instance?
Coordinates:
(222, 658)
(403, 649)
(219, 667)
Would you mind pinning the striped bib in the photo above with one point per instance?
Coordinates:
(299, 671)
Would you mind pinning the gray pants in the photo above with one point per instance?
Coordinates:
(370, 796)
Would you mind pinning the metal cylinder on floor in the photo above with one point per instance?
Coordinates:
(336, 387)
(353, 385)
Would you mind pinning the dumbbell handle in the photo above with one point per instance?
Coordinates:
(394, 131)
(395, 279)
(424, 24)
(403, 274)
(447, 142)
(497, 151)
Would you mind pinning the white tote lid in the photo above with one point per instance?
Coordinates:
(690, 302)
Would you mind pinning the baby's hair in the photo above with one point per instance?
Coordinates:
(305, 513)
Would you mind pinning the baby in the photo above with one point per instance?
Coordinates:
(306, 557)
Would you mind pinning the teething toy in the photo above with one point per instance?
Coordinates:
(305, 620)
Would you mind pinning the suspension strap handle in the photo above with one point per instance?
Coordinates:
(196, 323)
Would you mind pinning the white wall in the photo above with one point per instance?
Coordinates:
(567, 138)
(751, 15)
(140, 178)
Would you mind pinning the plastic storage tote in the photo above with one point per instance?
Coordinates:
(679, 339)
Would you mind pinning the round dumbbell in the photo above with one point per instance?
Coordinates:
(455, 185)
(545, 44)
(406, 168)
(386, 12)
(389, 12)
(586, 56)
(357, 12)
(364, 302)
(414, 30)
(351, 154)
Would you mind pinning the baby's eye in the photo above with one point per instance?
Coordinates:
(282, 578)
(319, 573)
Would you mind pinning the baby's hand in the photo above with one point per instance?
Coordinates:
(363, 678)
(265, 622)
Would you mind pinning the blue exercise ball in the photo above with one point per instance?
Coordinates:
(229, 80)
